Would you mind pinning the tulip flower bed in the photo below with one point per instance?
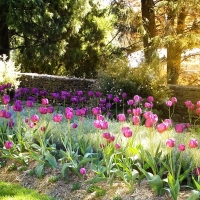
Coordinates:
(134, 146)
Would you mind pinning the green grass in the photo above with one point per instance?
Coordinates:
(10, 191)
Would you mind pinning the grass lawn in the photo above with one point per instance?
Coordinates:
(9, 191)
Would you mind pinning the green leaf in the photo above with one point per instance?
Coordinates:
(157, 185)
(184, 175)
(86, 160)
(39, 169)
(196, 184)
(51, 159)
(97, 179)
(194, 196)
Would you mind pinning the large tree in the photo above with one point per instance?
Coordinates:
(53, 37)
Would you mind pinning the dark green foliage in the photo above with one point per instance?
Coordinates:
(56, 37)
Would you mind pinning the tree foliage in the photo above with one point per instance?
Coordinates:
(56, 37)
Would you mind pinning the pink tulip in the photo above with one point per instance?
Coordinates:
(188, 103)
(42, 110)
(117, 146)
(179, 128)
(121, 117)
(136, 120)
(198, 103)
(174, 100)
(100, 117)
(197, 171)
(82, 171)
(161, 127)
(137, 111)
(181, 147)
(168, 103)
(106, 135)
(96, 111)
(168, 122)
(193, 143)
(130, 102)
(45, 102)
(137, 98)
(150, 99)
(69, 115)
(35, 118)
(170, 143)
(57, 118)
(43, 128)
(50, 109)
(111, 139)
(198, 111)
(8, 144)
(74, 125)
(127, 132)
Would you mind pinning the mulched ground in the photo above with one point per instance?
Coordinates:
(62, 190)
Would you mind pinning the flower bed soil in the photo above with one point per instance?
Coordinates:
(62, 190)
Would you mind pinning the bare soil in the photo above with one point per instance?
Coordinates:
(62, 190)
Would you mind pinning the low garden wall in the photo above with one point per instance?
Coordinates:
(58, 83)
(52, 83)
(184, 93)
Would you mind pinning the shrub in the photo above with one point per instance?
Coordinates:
(145, 80)
(9, 73)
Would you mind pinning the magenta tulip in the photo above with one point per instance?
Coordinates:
(150, 99)
(181, 147)
(193, 143)
(74, 125)
(8, 144)
(121, 117)
(29, 104)
(161, 127)
(45, 101)
(117, 146)
(136, 120)
(35, 118)
(179, 128)
(137, 111)
(170, 143)
(57, 118)
(82, 171)
(106, 135)
(174, 100)
(168, 103)
(5, 99)
(42, 110)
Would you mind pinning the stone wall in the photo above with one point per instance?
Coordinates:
(184, 93)
(52, 83)
(58, 83)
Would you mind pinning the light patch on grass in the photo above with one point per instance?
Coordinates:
(15, 192)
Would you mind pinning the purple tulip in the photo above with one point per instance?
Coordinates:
(5, 99)
(29, 104)
(124, 95)
(90, 93)
(74, 125)
(50, 109)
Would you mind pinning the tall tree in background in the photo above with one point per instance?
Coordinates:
(4, 38)
(149, 24)
(172, 24)
(54, 37)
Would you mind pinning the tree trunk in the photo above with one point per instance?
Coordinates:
(148, 18)
(174, 48)
(4, 38)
